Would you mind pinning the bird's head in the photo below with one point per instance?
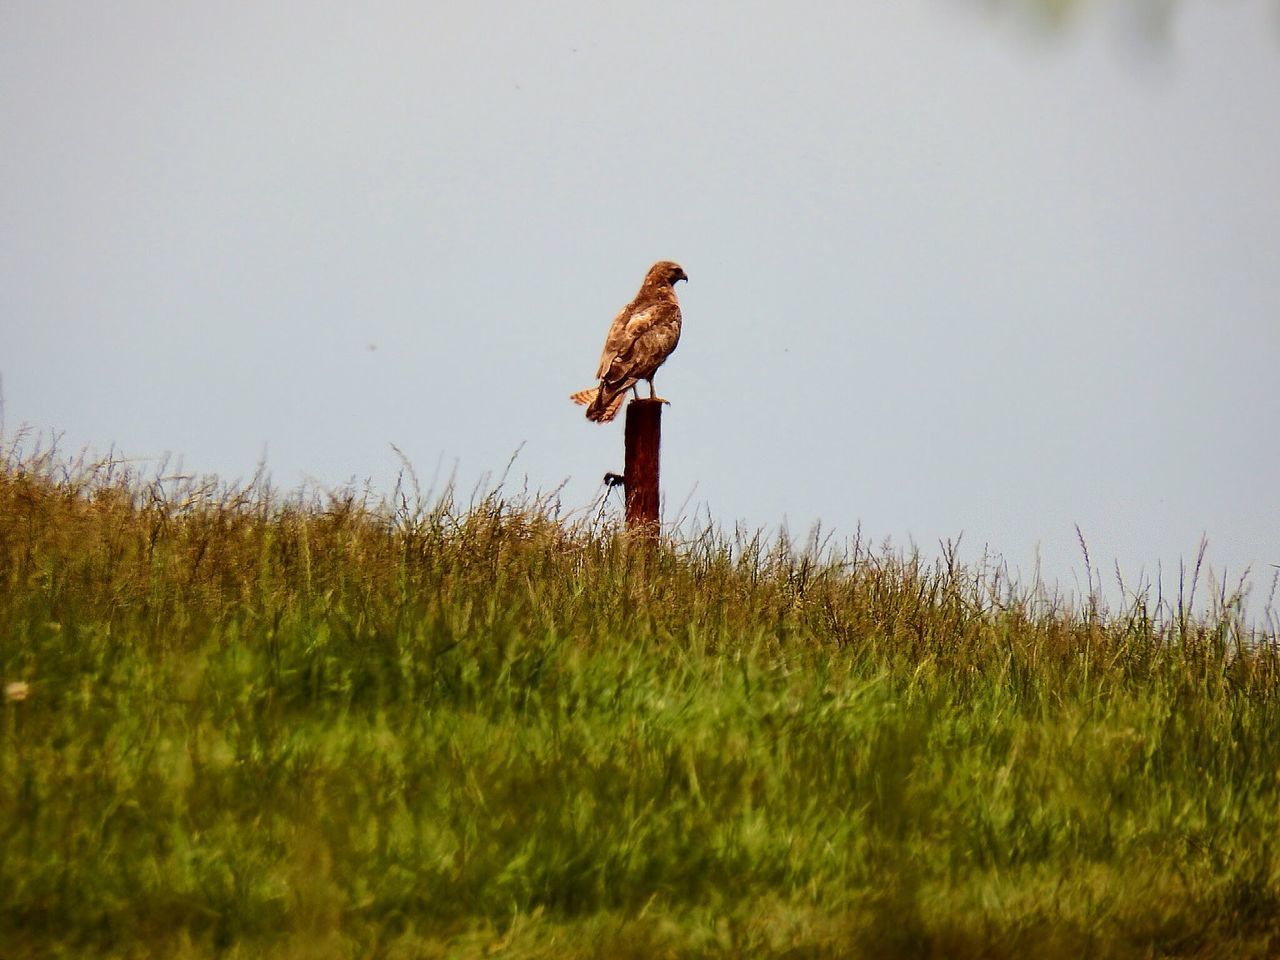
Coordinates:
(666, 271)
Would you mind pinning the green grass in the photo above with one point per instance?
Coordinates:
(312, 726)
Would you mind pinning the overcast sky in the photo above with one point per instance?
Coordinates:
(947, 276)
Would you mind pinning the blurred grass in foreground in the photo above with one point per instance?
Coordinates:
(244, 724)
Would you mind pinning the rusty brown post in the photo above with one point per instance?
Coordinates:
(640, 470)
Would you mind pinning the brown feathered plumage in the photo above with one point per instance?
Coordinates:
(642, 336)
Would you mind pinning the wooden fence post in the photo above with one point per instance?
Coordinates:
(640, 470)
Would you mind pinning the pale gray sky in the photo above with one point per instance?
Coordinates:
(945, 275)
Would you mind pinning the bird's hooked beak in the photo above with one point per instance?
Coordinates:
(680, 275)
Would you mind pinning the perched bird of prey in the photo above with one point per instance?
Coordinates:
(642, 336)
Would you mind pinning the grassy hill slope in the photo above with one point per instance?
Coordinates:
(240, 724)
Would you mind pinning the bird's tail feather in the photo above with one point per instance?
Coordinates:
(602, 402)
(611, 408)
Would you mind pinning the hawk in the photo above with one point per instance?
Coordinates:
(642, 336)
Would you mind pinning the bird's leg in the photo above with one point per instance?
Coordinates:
(654, 396)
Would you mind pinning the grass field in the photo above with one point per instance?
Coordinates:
(243, 724)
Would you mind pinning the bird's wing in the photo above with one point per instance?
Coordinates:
(616, 340)
(650, 336)
(628, 327)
